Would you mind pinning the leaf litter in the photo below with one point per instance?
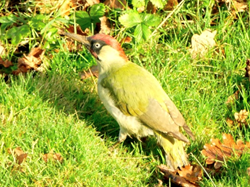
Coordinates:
(217, 152)
(53, 157)
(202, 43)
(186, 176)
(31, 61)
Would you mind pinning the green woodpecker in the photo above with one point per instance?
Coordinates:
(136, 100)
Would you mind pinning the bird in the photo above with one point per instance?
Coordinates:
(136, 99)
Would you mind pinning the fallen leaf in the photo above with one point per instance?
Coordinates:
(235, 5)
(79, 30)
(151, 8)
(19, 154)
(202, 43)
(93, 71)
(30, 61)
(140, 9)
(248, 69)
(53, 156)
(171, 5)
(105, 25)
(6, 63)
(117, 4)
(127, 39)
(241, 116)
(191, 173)
(48, 6)
(186, 176)
(218, 152)
(229, 122)
(65, 8)
(248, 171)
(72, 46)
(232, 98)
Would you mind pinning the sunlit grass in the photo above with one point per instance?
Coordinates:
(57, 111)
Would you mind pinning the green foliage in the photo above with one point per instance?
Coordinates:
(141, 3)
(141, 23)
(87, 20)
(138, 3)
(18, 28)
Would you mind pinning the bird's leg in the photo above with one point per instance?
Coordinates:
(122, 137)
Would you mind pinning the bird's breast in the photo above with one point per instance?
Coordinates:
(131, 124)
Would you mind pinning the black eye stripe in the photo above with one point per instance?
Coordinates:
(96, 45)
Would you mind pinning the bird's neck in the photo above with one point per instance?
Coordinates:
(109, 63)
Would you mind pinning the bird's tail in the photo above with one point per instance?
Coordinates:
(174, 151)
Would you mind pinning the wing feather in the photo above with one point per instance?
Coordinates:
(138, 93)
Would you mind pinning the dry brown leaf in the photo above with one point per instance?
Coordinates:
(105, 25)
(171, 5)
(191, 173)
(72, 46)
(79, 30)
(151, 8)
(218, 152)
(232, 98)
(241, 116)
(202, 43)
(248, 69)
(127, 39)
(118, 4)
(240, 6)
(93, 71)
(140, 9)
(6, 63)
(31, 61)
(235, 5)
(48, 6)
(53, 156)
(229, 122)
(186, 176)
(19, 154)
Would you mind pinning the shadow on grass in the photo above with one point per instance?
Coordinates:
(70, 95)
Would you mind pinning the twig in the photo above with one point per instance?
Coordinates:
(169, 15)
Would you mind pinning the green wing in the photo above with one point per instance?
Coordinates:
(131, 86)
(138, 93)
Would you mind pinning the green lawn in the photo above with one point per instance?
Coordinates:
(57, 111)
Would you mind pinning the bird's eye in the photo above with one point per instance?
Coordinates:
(97, 45)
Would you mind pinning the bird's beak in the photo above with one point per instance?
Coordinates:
(79, 38)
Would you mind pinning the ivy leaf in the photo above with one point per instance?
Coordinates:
(97, 11)
(83, 19)
(151, 20)
(130, 19)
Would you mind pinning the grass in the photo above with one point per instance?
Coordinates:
(56, 111)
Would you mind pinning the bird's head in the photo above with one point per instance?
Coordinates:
(106, 50)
